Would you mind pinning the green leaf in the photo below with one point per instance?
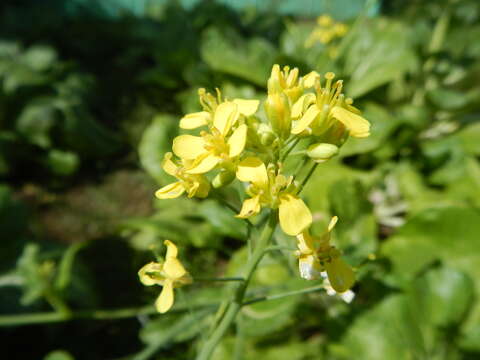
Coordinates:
(381, 51)
(155, 142)
(39, 57)
(36, 120)
(223, 220)
(58, 355)
(63, 163)
(227, 52)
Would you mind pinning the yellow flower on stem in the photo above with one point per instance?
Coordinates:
(328, 113)
(194, 185)
(210, 103)
(220, 146)
(316, 255)
(271, 189)
(170, 274)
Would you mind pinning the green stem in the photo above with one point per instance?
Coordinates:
(285, 154)
(220, 279)
(53, 317)
(306, 178)
(236, 303)
(285, 294)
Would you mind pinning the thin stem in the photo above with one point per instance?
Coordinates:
(53, 317)
(285, 294)
(220, 279)
(285, 154)
(306, 178)
(236, 303)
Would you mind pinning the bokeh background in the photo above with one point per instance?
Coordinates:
(90, 97)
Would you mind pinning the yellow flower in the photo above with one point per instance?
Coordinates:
(326, 31)
(272, 189)
(210, 104)
(194, 185)
(328, 113)
(169, 274)
(220, 146)
(316, 255)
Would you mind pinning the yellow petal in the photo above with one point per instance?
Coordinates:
(226, 115)
(168, 165)
(252, 169)
(188, 147)
(250, 207)
(172, 250)
(174, 268)
(356, 125)
(340, 274)
(310, 79)
(247, 107)
(332, 223)
(237, 141)
(170, 191)
(294, 215)
(305, 243)
(195, 120)
(204, 164)
(146, 277)
(306, 119)
(165, 300)
(302, 103)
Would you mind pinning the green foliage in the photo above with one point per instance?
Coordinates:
(89, 102)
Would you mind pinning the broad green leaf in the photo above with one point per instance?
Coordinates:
(155, 142)
(58, 355)
(63, 163)
(36, 120)
(223, 220)
(227, 52)
(381, 51)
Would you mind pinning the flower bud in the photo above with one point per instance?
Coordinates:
(278, 112)
(275, 82)
(322, 152)
(223, 178)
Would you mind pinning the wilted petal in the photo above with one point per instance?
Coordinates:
(188, 147)
(226, 115)
(204, 164)
(294, 215)
(253, 170)
(195, 120)
(165, 300)
(340, 274)
(237, 140)
(308, 267)
(247, 107)
(250, 207)
(170, 191)
(306, 120)
(356, 125)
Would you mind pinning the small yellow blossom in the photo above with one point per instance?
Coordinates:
(194, 185)
(169, 274)
(316, 255)
(272, 189)
(327, 30)
(221, 145)
(328, 113)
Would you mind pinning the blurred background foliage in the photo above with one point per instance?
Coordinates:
(90, 97)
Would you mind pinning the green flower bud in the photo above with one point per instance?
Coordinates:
(322, 152)
(278, 112)
(223, 178)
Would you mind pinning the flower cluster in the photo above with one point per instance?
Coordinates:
(238, 140)
(326, 31)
